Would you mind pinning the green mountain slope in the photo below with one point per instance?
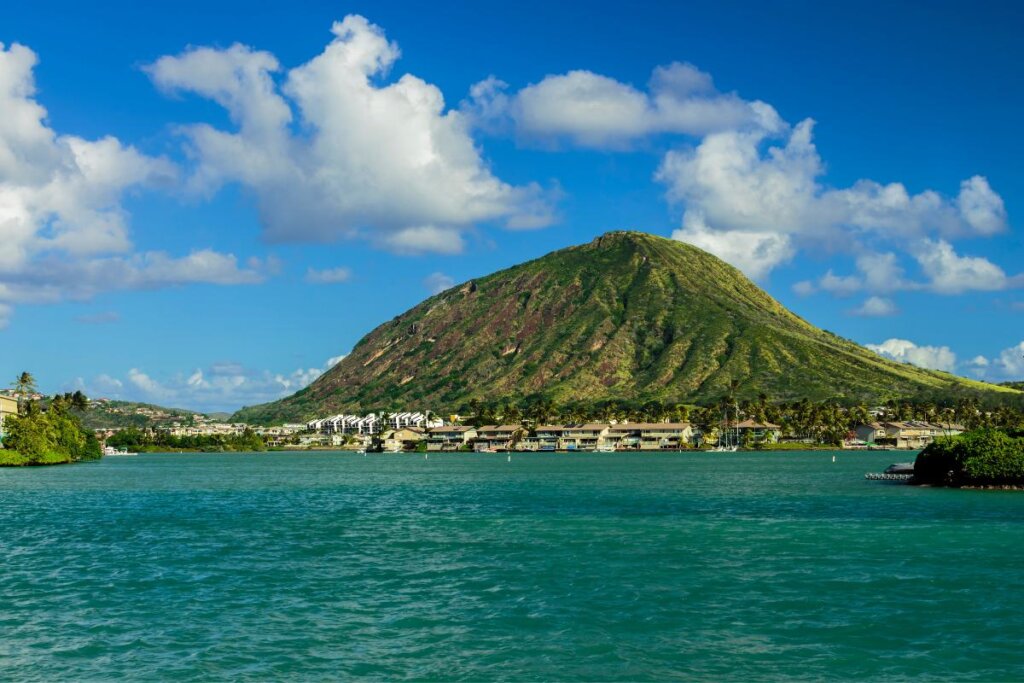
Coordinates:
(629, 315)
(105, 413)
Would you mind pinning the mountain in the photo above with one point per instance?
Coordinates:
(626, 316)
(105, 414)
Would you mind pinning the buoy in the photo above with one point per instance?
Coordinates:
(510, 458)
(833, 458)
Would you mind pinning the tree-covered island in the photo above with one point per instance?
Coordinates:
(982, 458)
(48, 434)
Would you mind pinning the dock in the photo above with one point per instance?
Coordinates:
(886, 476)
(900, 471)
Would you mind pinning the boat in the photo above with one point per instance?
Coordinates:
(604, 449)
(110, 451)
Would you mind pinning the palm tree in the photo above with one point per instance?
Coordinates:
(24, 385)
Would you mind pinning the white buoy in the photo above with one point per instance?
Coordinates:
(833, 458)
(510, 458)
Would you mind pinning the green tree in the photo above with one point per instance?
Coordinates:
(24, 385)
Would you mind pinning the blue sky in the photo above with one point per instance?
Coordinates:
(204, 204)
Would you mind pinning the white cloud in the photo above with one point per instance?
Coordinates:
(52, 280)
(804, 288)
(731, 186)
(592, 110)
(981, 207)
(934, 357)
(423, 239)
(1007, 366)
(876, 307)
(328, 276)
(334, 360)
(60, 192)
(755, 253)
(945, 272)
(62, 224)
(1010, 363)
(949, 273)
(839, 285)
(336, 153)
(438, 282)
(222, 386)
(881, 272)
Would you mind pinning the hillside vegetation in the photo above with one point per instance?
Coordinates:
(106, 413)
(626, 316)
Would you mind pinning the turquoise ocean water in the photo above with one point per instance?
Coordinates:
(550, 567)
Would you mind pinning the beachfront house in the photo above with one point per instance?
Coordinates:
(346, 424)
(648, 436)
(404, 439)
(908, 435)
(544, 438)
(665, 435)
(498, 437)
(450, 438)
(585, 437)
(754, 432)
(418, 420)
(8, 408)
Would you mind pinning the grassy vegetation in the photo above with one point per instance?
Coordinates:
(142, 442)
(16, 459)
(793, 446)
(123, 414)
(628, 316)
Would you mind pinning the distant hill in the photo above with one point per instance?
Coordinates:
(1013, 385)
(105, 413)
(626, 316)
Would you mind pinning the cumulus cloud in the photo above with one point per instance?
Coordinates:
(950, 273)
(328, 276)
(52, 280)
(943, 269)
(875, 307)
(731, 186)
(64, 230)
(438, 282)
(222, 386)
(1010, 363)
(591, 110)
(755, 253)
(1007, 366)
(336, 152)
(839, 285)
(933, 357)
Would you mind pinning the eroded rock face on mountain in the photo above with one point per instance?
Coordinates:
(628, 315)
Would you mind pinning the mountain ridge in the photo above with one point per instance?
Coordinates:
(628, 315)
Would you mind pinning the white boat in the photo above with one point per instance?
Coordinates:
(111, 451)
(605, 449)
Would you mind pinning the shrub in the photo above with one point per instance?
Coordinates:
(986, 456)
